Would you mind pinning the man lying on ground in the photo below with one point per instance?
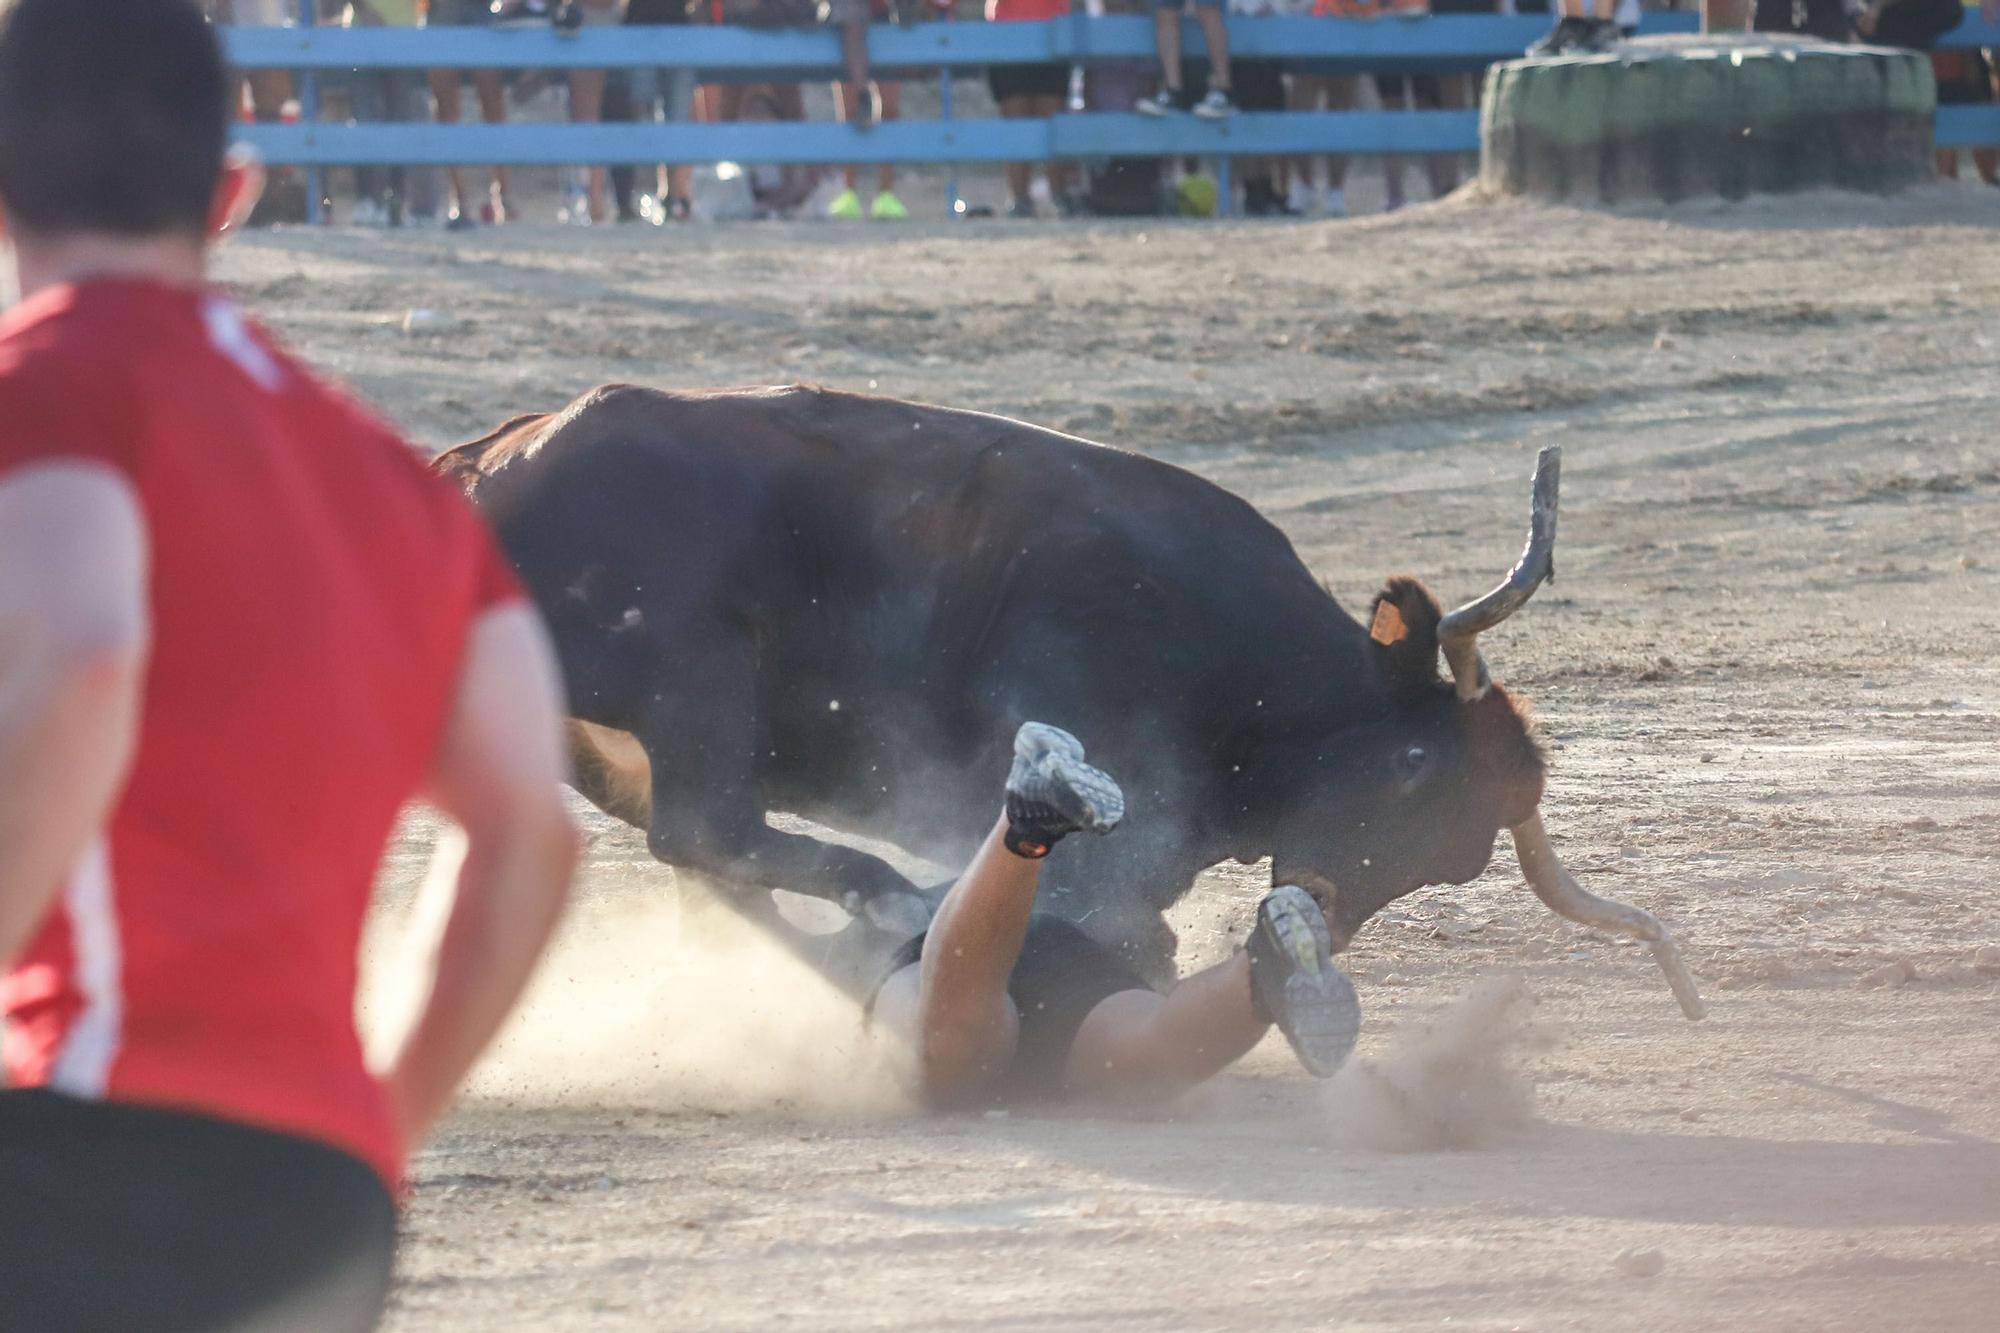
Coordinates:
(1001, 1003)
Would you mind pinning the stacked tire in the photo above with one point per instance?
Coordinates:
(1677, 118)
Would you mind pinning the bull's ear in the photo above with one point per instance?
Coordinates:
(1405, 632)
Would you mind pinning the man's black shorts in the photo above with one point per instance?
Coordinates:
(122, 1217)
(1061, 975)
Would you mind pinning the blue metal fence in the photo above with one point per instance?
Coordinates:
(1442, 44)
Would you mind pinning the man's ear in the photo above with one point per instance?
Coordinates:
(1405, 632)
(237, 191)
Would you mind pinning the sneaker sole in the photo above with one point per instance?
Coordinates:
(1058, 756)
(1323, 1010)
(1214, 115)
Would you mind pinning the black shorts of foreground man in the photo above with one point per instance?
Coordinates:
(1000, 1003)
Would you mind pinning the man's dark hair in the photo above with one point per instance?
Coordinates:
(114, 116)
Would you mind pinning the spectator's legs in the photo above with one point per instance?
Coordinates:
(1167, 35)
(1061, 175)
(857, 108)
(1454, 94)
(491, 89)
(372, 98)
(444, 90)
(620, 107)
(891, 100)
(1020, 175)
(1306, 94)
(586, 107)
(1217, 36)
(1395, 91)
(677, 107)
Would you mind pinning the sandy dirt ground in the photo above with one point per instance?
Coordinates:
(1770, 674)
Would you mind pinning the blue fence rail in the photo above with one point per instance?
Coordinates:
(1442, 44)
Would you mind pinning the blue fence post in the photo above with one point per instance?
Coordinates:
(952, 207)
(308, 113)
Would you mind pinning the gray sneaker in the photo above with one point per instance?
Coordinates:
(1052, 792)
(1294, 984)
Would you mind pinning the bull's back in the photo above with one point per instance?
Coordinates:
(868, 537)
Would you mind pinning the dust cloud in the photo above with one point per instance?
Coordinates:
(1457, 1084)
(642, 1004)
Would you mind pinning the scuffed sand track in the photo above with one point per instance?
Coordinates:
(1770, 672)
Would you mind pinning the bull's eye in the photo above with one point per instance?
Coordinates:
(1413, 765)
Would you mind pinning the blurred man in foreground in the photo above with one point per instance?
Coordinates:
(240, 626)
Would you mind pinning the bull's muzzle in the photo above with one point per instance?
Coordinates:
(1556, 887)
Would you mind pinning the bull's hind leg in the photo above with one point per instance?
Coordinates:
(707, 813)
(610, 770)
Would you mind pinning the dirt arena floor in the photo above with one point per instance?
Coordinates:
(1770, 673)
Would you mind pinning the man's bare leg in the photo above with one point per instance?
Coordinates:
(1138, 1042)
(1142, 1042)
(966, 1026)
(956, 1005)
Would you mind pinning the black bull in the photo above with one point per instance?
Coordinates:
(842, 607)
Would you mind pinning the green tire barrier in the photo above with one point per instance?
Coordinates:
(1679, 117)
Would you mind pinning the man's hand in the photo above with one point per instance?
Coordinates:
(73, 644)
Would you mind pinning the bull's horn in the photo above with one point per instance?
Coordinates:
(1557, 888)
(1458, 632)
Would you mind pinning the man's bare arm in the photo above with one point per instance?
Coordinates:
(501, 888)
(73, 641)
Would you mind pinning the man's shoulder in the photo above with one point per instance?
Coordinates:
(59, 395)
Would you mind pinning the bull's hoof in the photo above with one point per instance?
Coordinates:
(895, 910)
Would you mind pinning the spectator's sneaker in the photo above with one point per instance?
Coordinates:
(1215, 106)
(1294, 984)
(520, 13)
(460, 222)
(567, 19)
(1165, 102)
(1559, 39)
(368, 213)
(1334, 202)
(1021, 208)
(846, 207)
(887, 208)
(1052, 792)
